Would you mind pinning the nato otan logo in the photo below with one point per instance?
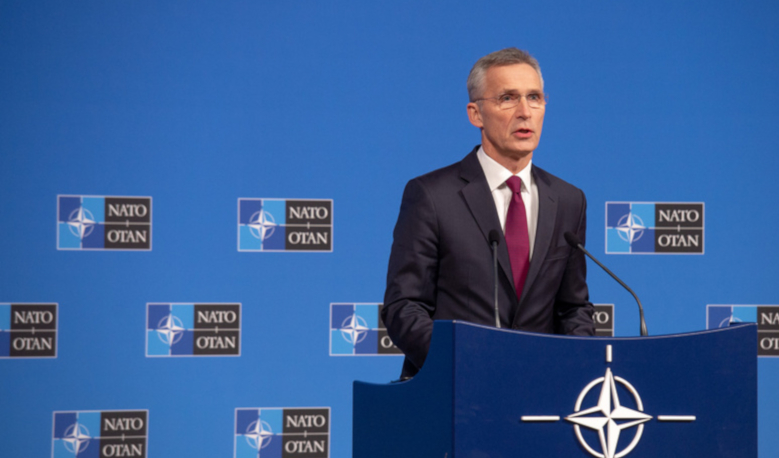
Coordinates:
(285, 225)
(600, 405)
(604, 320)
(766, 317)
(356, 329)
(204, 329)
(28, 330)
(282, 432)
(654, 228)
(103, 223)
(100, 434)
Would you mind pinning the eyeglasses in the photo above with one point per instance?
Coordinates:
(507, 101)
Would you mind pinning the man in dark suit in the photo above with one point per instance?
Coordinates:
(441, 264)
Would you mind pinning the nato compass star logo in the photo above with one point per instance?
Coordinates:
(258, 434)
(354, 329)
(81, 222)
(281, 225)
(170, 330)
(654, 227)
(262, 225)
(606, 415)
(630, 228)
(76, 438)
(609, 417)
(103, 222)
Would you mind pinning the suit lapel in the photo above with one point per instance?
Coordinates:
(476, 193)
(547, 214)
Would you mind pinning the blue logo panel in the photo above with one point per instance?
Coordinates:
(277, 209)
(248, 208)
(103, 223)
(369, 345)
(96, 238)
(184, 346)
(644, 212)
(645, 243)
(357, 330)
(5, 317)
(766, 317)
(614, 212)
(285, 225)
(245, 417)
(654, 228)
(745, 315)
(67, 206)
(275, 241)
(187, 329)
(99, 434)
(5, 344)
(282, 432)
(247, 241)
(615, 243)
(28, 330)
(719, 316)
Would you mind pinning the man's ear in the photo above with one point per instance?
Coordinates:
(474, 114)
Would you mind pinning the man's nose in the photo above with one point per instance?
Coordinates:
(523, 110)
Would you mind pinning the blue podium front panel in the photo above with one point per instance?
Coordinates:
(412, 418)
(515, 394)
(520, 394)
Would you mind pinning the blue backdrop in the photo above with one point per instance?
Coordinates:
(197, 104)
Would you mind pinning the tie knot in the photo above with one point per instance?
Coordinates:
(514, 183)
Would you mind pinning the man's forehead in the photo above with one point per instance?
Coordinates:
(513, 77)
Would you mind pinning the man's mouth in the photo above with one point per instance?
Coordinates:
(523, 133)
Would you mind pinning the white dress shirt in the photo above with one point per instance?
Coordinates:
(496, 179)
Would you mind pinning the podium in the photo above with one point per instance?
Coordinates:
(496, 393)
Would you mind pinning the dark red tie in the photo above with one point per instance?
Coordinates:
(517, 239)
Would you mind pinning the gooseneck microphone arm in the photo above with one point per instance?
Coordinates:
(494, 242)
(576, 242)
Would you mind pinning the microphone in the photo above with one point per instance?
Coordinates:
(576, 242)
(494, 237)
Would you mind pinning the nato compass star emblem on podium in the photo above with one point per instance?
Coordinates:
(609, 417)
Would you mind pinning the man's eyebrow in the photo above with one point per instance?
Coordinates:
(515, 91)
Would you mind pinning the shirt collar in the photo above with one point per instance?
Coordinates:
(497, 174)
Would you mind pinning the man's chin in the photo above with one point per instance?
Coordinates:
(514, 150)
(518, 153)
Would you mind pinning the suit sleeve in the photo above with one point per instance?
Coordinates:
(409, 301)
(573, 309)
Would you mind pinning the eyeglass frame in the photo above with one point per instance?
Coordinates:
(544, 100)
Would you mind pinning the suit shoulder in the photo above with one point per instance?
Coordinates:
(556, 183)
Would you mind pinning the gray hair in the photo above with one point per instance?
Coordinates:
(508, 56)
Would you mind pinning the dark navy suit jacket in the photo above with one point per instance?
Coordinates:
(440, 267)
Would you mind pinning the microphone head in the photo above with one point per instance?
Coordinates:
(494, 237)
(572, 239)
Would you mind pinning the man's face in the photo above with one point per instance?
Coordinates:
(512, 133)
